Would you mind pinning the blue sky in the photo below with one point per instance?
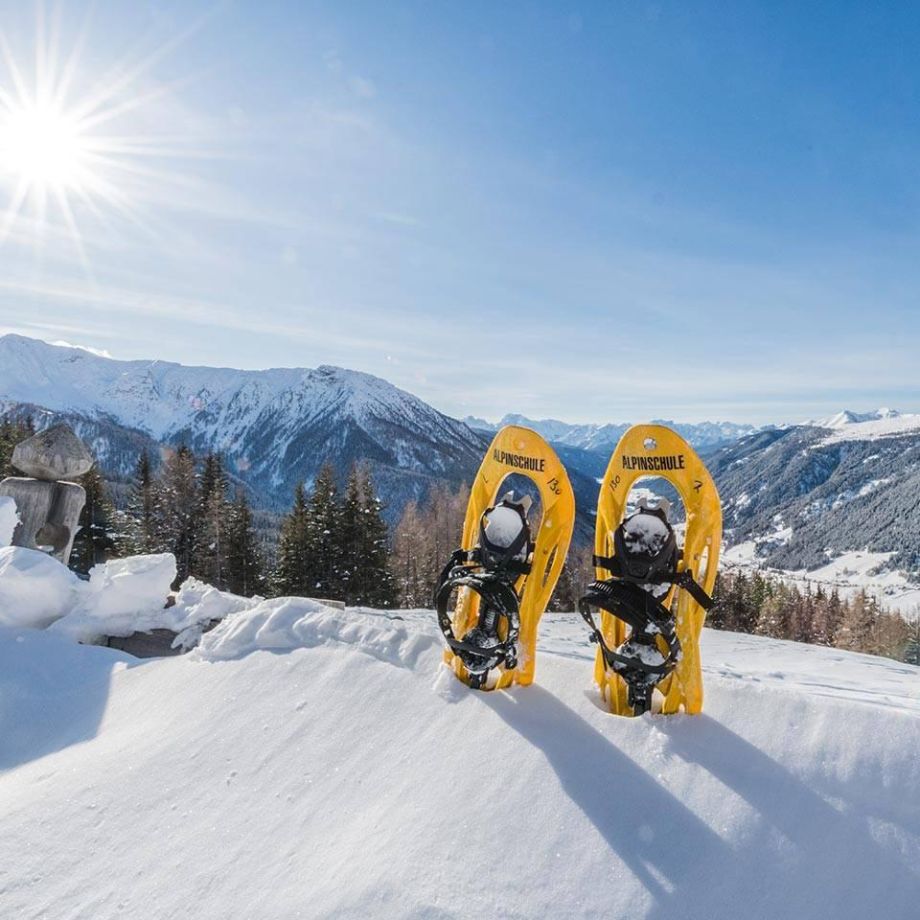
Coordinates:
(598, 212)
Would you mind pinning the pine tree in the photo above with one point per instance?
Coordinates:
(377, 585)
(245, 567)
(209, 562)
(912, 649)
(350, 541)
(176, 509)
(95, 541)
(292, 572)
(323, 538)
(12, 431)
(719, 614)
(142, 508)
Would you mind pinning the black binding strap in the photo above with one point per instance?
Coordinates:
(490, 570)
(648, 619)
(683, 579)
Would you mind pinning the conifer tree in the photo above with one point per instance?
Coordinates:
(96, 539)
(350, 540)
(912, 649)
(176, 509)
(323, 538)
(209, 561)
(142, 508)
(377, 586)
(245, 567)
(292, 572)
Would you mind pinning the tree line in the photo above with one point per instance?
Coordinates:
(767, 606)
(337, 545)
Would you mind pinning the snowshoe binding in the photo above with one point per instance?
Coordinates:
(646, 582)
(504, 576)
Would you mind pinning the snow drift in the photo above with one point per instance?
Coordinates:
(307, 762)
(9, 518)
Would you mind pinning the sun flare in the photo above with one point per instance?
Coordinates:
(75, 146)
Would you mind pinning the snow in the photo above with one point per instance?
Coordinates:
(847, 417)
(35, 589)
(123, 596)
(873, 429)
(502, 526)
(9, 519)
(645, 533)
(316, 763)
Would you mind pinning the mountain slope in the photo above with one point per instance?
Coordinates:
(806, 494)
(274, 427)
(336, 773)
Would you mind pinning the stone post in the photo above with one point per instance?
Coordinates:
(49, 508)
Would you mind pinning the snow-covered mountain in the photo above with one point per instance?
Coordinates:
(802, 496)
(603, 438)
(274, 427)
(847, 417)
(306, 762)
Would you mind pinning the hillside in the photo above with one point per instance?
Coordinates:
(804, 495)
(312, 763)
(274, 427)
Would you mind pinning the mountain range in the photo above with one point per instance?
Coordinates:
(274, 427)
(802, 493)
(604, 438)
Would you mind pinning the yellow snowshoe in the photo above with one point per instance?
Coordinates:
(648, 581)
(506, 568)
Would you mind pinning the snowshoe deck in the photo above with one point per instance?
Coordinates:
(516, 450)
(654, 450)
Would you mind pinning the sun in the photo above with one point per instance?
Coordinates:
(76, 146)
(43, 146)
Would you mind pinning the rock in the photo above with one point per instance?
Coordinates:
(52, 455)
(48, 512)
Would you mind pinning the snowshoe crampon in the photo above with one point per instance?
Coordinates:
(507, 566)
(652, 592)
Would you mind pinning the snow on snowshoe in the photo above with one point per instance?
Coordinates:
(507, 567)
(646, 582)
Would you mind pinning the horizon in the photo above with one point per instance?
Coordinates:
(601, 212)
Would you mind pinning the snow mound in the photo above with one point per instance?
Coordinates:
(35, 589)
(286, 623)
(123, 596)
(9, 518)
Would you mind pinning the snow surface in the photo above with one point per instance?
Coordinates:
(873, 429)
(122, 597)
(9, 518)
(308, 762)
(35, 589)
